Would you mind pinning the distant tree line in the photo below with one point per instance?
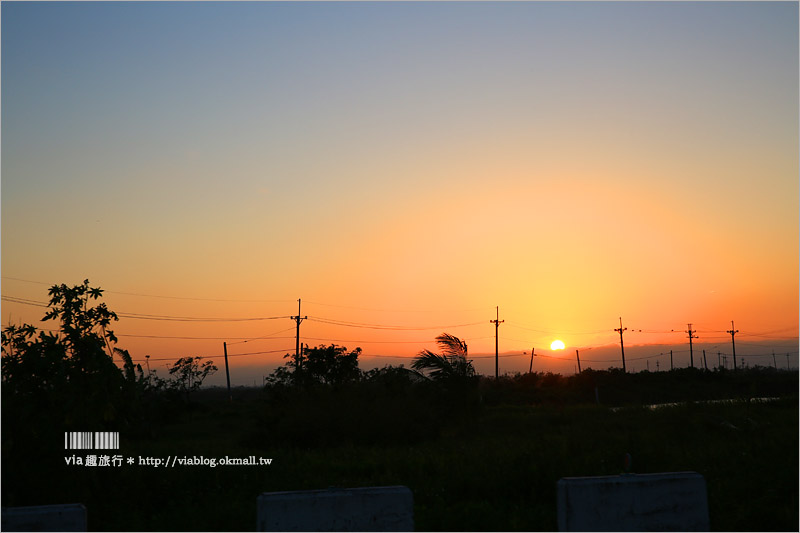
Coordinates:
(333, 365)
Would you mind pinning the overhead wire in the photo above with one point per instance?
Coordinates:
(268, 336)
(160, 296)
(215, 355)
(389, 327)
(386, 327)
(142, 316)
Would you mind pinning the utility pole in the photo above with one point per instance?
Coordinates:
(719, 359)
(691, 353)
(774, 361)
(497, 323)
(621, 344)
(733, 343)
(533, 352)
(297, 319)
(147, 362)
(577, 356)
(705, 364)
(227, 372)
(670, 361)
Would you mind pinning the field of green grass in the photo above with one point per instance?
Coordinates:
(487, 461)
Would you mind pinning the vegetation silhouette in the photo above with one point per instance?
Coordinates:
(323, 399)
(67, 380)
(323, 365)
(478, 453)
(188, 375)
(449, 366)
(69, 375)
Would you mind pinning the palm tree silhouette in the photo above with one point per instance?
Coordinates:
(451, 364)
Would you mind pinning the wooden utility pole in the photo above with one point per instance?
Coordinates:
(705, 364)
(719, 359)
(733, 343)
(670, 360)
(298, 319)
(621, 344)
(533, 352)
(496, 323)
(691, 336)
(774, 361)
(227, 371)
(578, 357)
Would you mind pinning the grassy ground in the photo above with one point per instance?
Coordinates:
(488, 467)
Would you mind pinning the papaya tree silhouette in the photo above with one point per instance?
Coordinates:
(70, 371)
(451, 364)
(61, 381)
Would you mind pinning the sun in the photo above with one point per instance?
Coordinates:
(557, 345)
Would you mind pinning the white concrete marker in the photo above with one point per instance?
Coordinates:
(362, 509)
(672, 501)
(69, 517)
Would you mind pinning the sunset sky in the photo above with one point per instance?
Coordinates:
(405, 168)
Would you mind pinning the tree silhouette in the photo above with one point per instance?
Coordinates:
(70, 373)
(328, 365)
(451, 364)
(188, 374)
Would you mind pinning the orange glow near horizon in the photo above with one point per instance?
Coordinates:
(386, 335)
(404, 176)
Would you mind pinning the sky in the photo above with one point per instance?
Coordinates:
(406, 169)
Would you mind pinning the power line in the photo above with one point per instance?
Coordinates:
(268, 336)
(216, 355)
(364, 341)
(188, 338)
(139, 316)
(159, 296)
(14, 299)
(554, 332)
(384, 326)
(766, 345)
(178, 337)
(356, 308)
(389, 327)
(142, 316)
(766, 336)
(764, 333)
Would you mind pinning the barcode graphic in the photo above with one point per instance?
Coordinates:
(87, 440)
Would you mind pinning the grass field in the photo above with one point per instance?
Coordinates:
(489, 465)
